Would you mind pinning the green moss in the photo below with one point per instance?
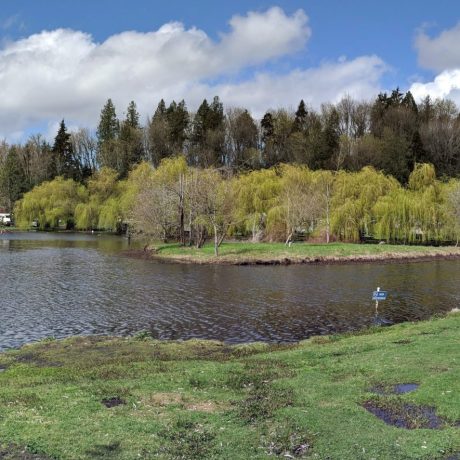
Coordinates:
(201, 399)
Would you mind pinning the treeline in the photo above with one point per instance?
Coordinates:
(177, 202)
(392, 134)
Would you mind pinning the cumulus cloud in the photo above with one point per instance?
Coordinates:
(329, 82)
(441, 52)
(65, 73)
(445, 85)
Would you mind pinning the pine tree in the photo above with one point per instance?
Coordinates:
(13, 182)
(109, 125)
(108, 152)
(301, 117)
(64, 162)
(178, 121)
(132, 116)
(130, 141)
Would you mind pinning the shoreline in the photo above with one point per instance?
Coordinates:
(232, 259)
(172, 399)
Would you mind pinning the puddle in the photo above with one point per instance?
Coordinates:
(405, 415)
(397, 389)
(113, 402)
(402, 388)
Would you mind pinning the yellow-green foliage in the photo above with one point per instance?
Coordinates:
(417, 214)
(269, 204)
(355, 195)
(100, 204)
(52, 204)
(256, 194)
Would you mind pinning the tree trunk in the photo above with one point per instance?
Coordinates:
(181, 209)
(216, 242)
(327, 215)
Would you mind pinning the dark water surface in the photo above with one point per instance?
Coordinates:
(66, 284)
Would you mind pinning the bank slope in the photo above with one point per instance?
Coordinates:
(244, 253)
(86, 398)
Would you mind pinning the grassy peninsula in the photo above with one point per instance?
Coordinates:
(129, 398)
(242, 253)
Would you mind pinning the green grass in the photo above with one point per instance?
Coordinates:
(246, 252)
(198, 400)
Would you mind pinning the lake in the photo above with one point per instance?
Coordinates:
(57, 285)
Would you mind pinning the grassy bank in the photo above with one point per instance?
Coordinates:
(256, 253)
(91, 398)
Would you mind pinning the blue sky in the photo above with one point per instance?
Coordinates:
(369, 45)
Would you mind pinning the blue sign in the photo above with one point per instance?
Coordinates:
(379, 295)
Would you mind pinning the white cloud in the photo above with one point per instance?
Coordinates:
(329, 82)
(441, 52)
(445, 85)
(66, 74)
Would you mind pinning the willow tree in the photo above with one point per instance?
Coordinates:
(355, 194)
(162, 200)
(213, 203)
(255, 194)
(453, 207)
(51, 204)
(102, 208)
(324, 182)
(419, 213)
(299, 202)
(396, 217)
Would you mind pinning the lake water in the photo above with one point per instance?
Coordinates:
(66, 284)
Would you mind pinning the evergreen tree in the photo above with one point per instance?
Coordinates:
(267, 127)
(108, 153)
(13, 182)
(159, 135)
(130, 141)
(208, 134)
(64, 161)
(109, 125)
(178, 121)
(161, 108)
(301, 118)
(409, 102)
(132, 116)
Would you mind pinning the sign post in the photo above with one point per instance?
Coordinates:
(378, 295)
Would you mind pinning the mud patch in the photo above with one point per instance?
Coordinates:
(290, 446)
(36, 360)
(397, 389)
(405, 415)
(12, 452)
(113, 402)
(454, 456)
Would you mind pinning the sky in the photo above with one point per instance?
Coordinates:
(64, 59)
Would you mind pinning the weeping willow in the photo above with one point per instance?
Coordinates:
(419, 214)
(355, 194)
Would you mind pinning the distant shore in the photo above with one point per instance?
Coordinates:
(299, 253)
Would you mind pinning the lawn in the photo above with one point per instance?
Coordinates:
(246, 252)
(130, 398)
